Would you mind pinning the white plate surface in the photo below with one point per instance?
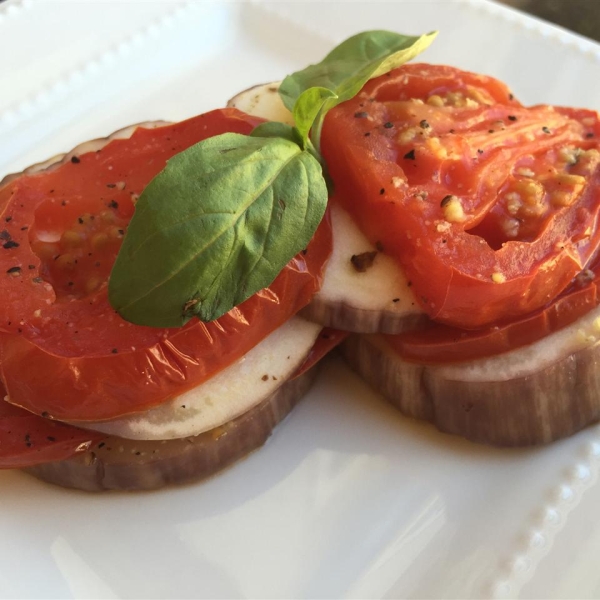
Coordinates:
(348, 499)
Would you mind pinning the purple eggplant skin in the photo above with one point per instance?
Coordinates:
(132, 465)
(341, 315)
(540, 407)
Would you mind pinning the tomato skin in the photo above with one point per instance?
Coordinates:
(71, 356)
(468, 272)
(26, 439)
(438, 343)
(328, 339)
(94, 388)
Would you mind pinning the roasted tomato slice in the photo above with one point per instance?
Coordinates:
(490, 207)
(64, 350)
(328, 339)
(438, 343)
(26, 439)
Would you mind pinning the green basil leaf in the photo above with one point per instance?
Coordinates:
(346, 69)
(214, 227)
(274, 129)
(307, 107)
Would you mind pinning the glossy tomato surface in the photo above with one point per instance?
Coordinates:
(439, 343)
(27, 439)
(490, 207)
(64, 350)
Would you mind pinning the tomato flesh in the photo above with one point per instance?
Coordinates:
(63, 350)
(27, 440)
(437, 343)
(491, 208)
(328, 339)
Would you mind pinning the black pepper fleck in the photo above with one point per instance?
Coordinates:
(424, 124)
(388, 125)
(545, 130)
(75, 160)
(13, 270)
(410, 155)
(512, 118)
(114, 350)
(10, 244)
(8, 219)
(367, 134)
(382, 191)
(113, 204)
(361, 114)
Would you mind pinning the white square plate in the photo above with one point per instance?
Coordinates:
(348, 499)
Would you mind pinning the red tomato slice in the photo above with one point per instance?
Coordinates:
(26, 439)
(328, 339)
(491, 208)
(438, 343)
(64, 351)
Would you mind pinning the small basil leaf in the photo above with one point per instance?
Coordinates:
(307, 107)
(214, 227)
(346, 69)
(274, 129)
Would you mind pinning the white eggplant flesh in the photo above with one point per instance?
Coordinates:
(377, 299)
(262, 101)
(531, 395)
(119, 464)
(232, 392)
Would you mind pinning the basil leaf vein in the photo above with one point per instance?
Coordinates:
(207, 241)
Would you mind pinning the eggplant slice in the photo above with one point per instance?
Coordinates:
(120, 464)
(540, 403)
